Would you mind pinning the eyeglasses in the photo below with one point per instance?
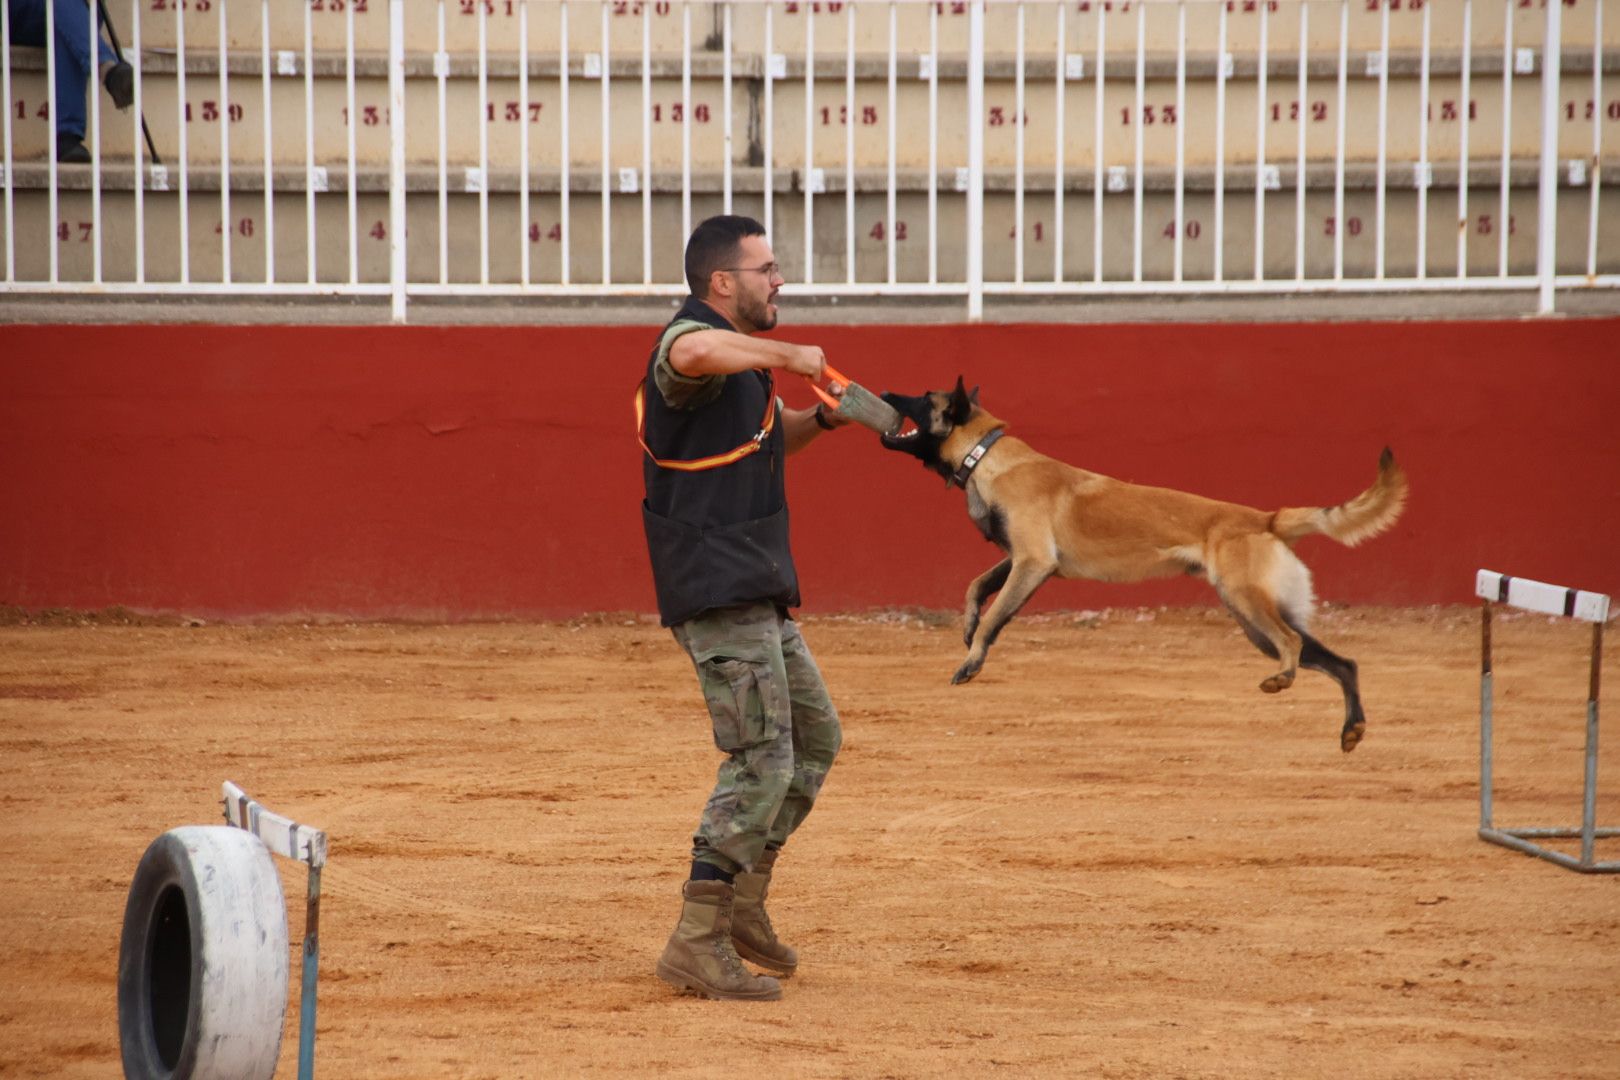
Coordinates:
(770, 269)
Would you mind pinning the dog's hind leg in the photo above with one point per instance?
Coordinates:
(1342, 670)
(986, 583)
(1023, 577)
(1259, 578)
(1262, 622)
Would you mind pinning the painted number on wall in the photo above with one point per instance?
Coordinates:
(676, 112)
(1586, 110)
(868, 115)
(1289, 110)
(208, 112)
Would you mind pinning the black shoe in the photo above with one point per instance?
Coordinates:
(120, 83)
(71, 151)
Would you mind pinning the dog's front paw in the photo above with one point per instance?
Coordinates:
(969, 631)
(966, 672)
(1351, 736)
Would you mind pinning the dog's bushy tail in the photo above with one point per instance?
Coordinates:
(1361, 518)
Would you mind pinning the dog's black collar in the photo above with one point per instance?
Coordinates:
(974, 456)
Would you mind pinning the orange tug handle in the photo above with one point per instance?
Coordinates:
(834, 377)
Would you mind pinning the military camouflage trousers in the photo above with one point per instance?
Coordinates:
(773, 720)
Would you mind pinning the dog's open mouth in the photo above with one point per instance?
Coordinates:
(908, 431)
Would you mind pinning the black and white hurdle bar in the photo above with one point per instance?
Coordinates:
(1494, 588)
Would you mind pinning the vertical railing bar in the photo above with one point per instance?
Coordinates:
(646, 143)
(1462, 152)
(768, 177)
(269, 146)
(849, 143)
(1097, 145)
(354, 124)
(1425, 170)
(1547, 228)
(1220, 143)
(224, 149)
(523, 142)
(1596, 174)
(770, 117)
(94, 27)
(1141, 86)
(51, 105)
(441, 68)
(725, 105)
(1503, 212)
(686, 111)
(892, 105)
(607, 156)
(975, 193)
(398, 263)
(1260, 147)
(1379, 226)
(1301, 119)
(1338, 153)
(185, 158)
(5, 136)
(1018, 149)
(809, 139)
(1181, 139)
(1059, 90)
(309, 133)
(135, 140)
(483, 143)
(933, 144)
(564, 161)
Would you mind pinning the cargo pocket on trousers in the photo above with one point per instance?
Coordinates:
(736, 699)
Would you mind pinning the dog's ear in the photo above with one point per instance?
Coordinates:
(961, 406)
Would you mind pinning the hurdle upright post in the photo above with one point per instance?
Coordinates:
(1495, 588)
(287, 838)
(1486, 697)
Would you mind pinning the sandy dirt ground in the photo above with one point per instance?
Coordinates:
(1110, 856)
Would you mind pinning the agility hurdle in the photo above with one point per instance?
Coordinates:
(287, 838)
(1494, 588)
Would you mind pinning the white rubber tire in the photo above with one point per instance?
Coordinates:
(202, 965)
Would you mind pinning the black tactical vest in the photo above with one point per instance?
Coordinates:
(717, 537)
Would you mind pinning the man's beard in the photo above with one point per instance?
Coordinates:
(758, 313)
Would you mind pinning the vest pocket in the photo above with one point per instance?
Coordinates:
(696, 570)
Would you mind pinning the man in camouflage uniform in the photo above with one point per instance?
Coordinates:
(715, 436)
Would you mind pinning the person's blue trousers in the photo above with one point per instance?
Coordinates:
(73, 66)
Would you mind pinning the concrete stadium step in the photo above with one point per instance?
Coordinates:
(828, 21)
(241, 109)
(75, 227)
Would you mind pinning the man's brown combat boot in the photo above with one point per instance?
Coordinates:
(699, 955)
(751, 931)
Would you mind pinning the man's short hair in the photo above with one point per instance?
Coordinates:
(715, 245)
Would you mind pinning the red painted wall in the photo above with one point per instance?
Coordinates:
(471, 472)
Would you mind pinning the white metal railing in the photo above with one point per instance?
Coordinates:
(1090, 62)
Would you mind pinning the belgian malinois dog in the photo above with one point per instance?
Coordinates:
(1053, 519)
